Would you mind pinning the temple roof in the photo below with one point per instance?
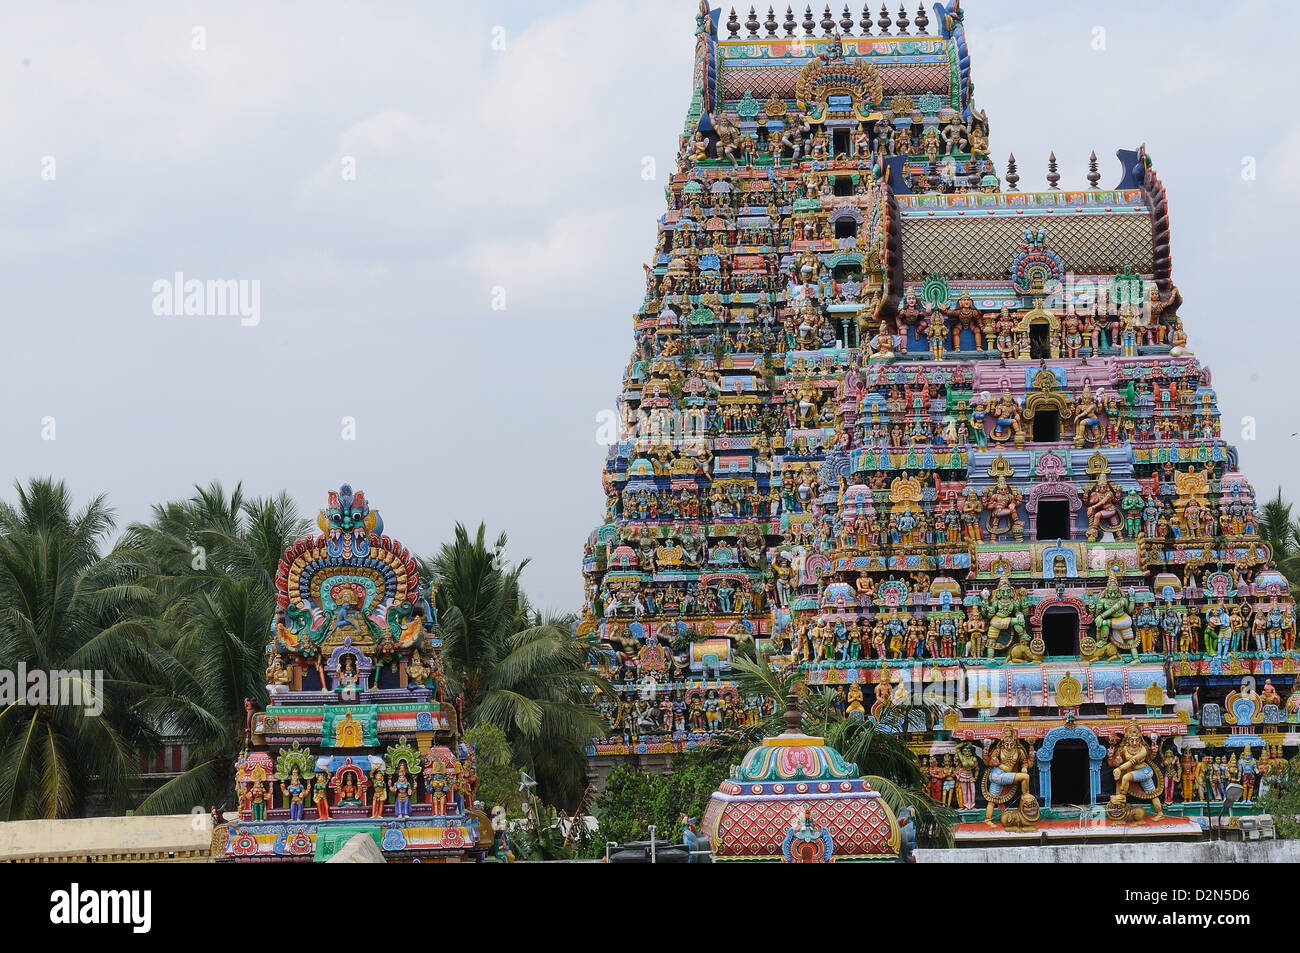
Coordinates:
(752, 61)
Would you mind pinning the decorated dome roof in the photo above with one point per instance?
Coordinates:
(793, 757)
(795, 798)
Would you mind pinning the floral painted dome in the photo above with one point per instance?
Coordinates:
(794, 798)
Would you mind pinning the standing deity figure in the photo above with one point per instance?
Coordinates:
(320, 792)
(966, 317)
(1170, 765)
(1133, 763)
(1009, 763)
(967, 765)
(1148, 624)
(297, 791)
(1248, 769)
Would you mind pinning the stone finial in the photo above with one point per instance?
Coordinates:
(793, 719)
(828, 21)
(809, 24)
(752, 23)
(846, 21)
(922, 21)
(1093, 175)
(902, 20)
(770, 23)
(733, 25)
(1012, 177)
(883, 21)
(865, 22)
(790, 24)
(1053, 177)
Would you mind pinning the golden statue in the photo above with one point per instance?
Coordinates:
(1009, 763)
(1133, 761)
(855, 705)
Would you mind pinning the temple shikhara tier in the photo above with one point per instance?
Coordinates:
(359, 736)
(936, 438)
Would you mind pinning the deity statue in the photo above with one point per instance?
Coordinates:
(1087, 420)
(1005, 613)
(1002, 502)
(1248, 770)
(403, 788)
(967, 766)
(319, 792)
(379, 785)
(882, 345)
(1009, 763)
(966, 317)
(855, 710)
(1113, 608)
(1103, 509)
(297, 792)
(1133, 763)
(1008, 422)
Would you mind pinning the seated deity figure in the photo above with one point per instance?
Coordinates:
(1103, 509)
(1005, 613)
(1002, 502)
(1087, 419)
(1114, 618)
(1008, 423)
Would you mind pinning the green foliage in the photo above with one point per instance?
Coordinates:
(209, 564)
(882, 757)
(1283, 800)
(523, 673)
(498, 778)
(64, 608)
(1281, 531)
(633, 800)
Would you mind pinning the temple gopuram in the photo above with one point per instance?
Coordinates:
(357, 737)
(936, 439)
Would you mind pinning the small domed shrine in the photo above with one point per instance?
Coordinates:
(795, 799)
(358, 736)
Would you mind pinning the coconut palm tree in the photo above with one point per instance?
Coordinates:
(1282, 532)
(210, 563)
(512, 667)
(68, 613)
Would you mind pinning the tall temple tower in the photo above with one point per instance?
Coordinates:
(935, 440)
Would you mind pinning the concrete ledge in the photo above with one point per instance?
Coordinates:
(166, 837)
(1204, 852)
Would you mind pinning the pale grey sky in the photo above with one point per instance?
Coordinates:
(519, 168)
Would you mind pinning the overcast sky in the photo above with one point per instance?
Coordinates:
(521, 168)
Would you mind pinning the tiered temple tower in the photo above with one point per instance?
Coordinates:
(933, 437)
(358, 737)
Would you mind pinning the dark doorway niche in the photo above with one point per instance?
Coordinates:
(1071, 783)
(1047, 426)
(1040, 341)
(1061, 632)
(1053, 520)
